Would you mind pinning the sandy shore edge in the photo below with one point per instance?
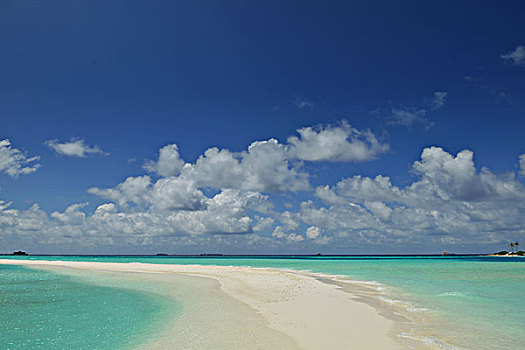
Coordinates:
(315, 315)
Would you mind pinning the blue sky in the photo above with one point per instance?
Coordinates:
(95, 90)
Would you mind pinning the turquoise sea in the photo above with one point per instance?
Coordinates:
(44, 310)
(470, 302)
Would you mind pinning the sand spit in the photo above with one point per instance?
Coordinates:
(249, 308)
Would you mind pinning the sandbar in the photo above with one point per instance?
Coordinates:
(229, 307)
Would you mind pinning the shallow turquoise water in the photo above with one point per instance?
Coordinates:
(479, 301)
(44, 310)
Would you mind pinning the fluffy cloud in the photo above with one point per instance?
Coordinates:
(263, 223)
(176, 202)
(134, 190)
(335, 144)
(73, 148)
(168, 163)
(172, 193)
(72, 215)
(516, 57)
(14, 162)
(456, 178)
(280, 233)
(264, 167)
(22, 222)
(177, 193)
(450, 202)
(313, 232)
(225, 193)
(359, 188)
(295, 237)
(291, 221)
(224, 213)
(269, 166)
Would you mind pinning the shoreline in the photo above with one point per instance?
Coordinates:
(295, 308)
(506, 256)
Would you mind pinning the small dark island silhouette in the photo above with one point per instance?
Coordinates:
(20, 253)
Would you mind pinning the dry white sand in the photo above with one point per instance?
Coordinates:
(249, 308)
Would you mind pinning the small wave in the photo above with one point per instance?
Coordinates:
(363, 283)
(416, 309)
(404, 304)
(430, 341)
(390, 301)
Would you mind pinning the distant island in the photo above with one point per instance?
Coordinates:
(506, 253)
(513, 246)
(20, 253)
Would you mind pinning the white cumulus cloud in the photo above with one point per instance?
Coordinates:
(451, 201)
(177, 193)
(72, 215)
(169, 162)
(73, 148)
(335, 144)
(293, 237)
(313, 232)
(133, 190)
(263, 223)
(230, 194)
(264, 167)
(14, 162)
(280, 233)
(270, 166)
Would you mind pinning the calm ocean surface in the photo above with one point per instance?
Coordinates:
(467, 302)
(44, 310)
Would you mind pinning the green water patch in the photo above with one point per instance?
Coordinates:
(45, 310)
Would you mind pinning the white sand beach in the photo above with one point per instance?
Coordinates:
(246, 308)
